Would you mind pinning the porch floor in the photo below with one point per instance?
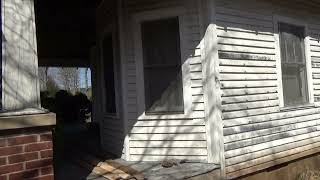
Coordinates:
(83, 158)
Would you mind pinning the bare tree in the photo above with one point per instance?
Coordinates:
(69, 78)
(43, 78)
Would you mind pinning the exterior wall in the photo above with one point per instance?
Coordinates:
(162, 137)
(111, 126)
(257, 133)
(20, 88)
(26, 154)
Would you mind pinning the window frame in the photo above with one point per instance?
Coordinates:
(138, 57)
(296, 22)
(109, 31)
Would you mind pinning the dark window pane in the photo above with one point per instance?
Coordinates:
(109, 74)
(162, 66)
(294, 73)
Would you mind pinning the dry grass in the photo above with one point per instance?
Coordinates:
(309, 175)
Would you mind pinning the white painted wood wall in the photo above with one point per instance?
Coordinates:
(19, 60)
(162, 138)
(257, 134)
(111, 127)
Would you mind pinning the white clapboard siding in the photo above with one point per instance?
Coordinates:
(112, 135)
(267, 131)
(159, 130)
(248, 84)
(249, 98)
(169, 151)
(172, 135)
(169, 137)
(249, 105)
(315, 54)
(272, 137)
(248, 91)
(168, 144)
(231, 34)
(247, 63)
(256, 131)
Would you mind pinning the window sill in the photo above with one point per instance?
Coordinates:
(299, 107)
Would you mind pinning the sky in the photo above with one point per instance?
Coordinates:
(53, 71)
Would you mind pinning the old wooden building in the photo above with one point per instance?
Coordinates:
(234, 83)
(227, 82)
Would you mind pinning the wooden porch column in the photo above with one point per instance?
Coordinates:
(20, 87)
(210, 59)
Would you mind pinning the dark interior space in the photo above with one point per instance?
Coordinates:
(66, 32)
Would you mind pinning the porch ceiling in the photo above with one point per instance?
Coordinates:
(65, 31)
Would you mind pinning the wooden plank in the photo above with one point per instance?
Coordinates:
(245, 49)
(248, 84)
(249, 98)
(235, 12)
(196, 83)
(195, 68)
(169, 144)
(246, 56)
(252, 112)
(245, 42)
(244, 77)
(250, 149)
(248, 91)
(198, 106)
(244, 35)
(252, 63)
(272, 137)
(148, 131)
(277, 128)
(196, 75)
(198, 98)
(169, 151)
(244, 20)
(169, 137)
(170, 122)
(234, 26)
(271, 117)
(197, 91)
(235, 69)
(249, 105)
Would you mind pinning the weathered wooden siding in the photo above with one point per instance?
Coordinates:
(111, 127)
(314, 31)
(157, 139)
(19, 59)
(257, 134)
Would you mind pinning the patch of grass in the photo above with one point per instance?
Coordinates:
(309, 175)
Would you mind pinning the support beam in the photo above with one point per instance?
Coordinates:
(210, 59)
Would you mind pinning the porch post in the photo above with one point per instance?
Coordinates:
(210, 59)
(122, 55)
(20, 82)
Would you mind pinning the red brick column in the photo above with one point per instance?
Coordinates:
(26, 154)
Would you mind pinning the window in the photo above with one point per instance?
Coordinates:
(108, 58)
(293, 64)
(162, 66)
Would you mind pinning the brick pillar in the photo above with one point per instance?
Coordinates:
(26, 154)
